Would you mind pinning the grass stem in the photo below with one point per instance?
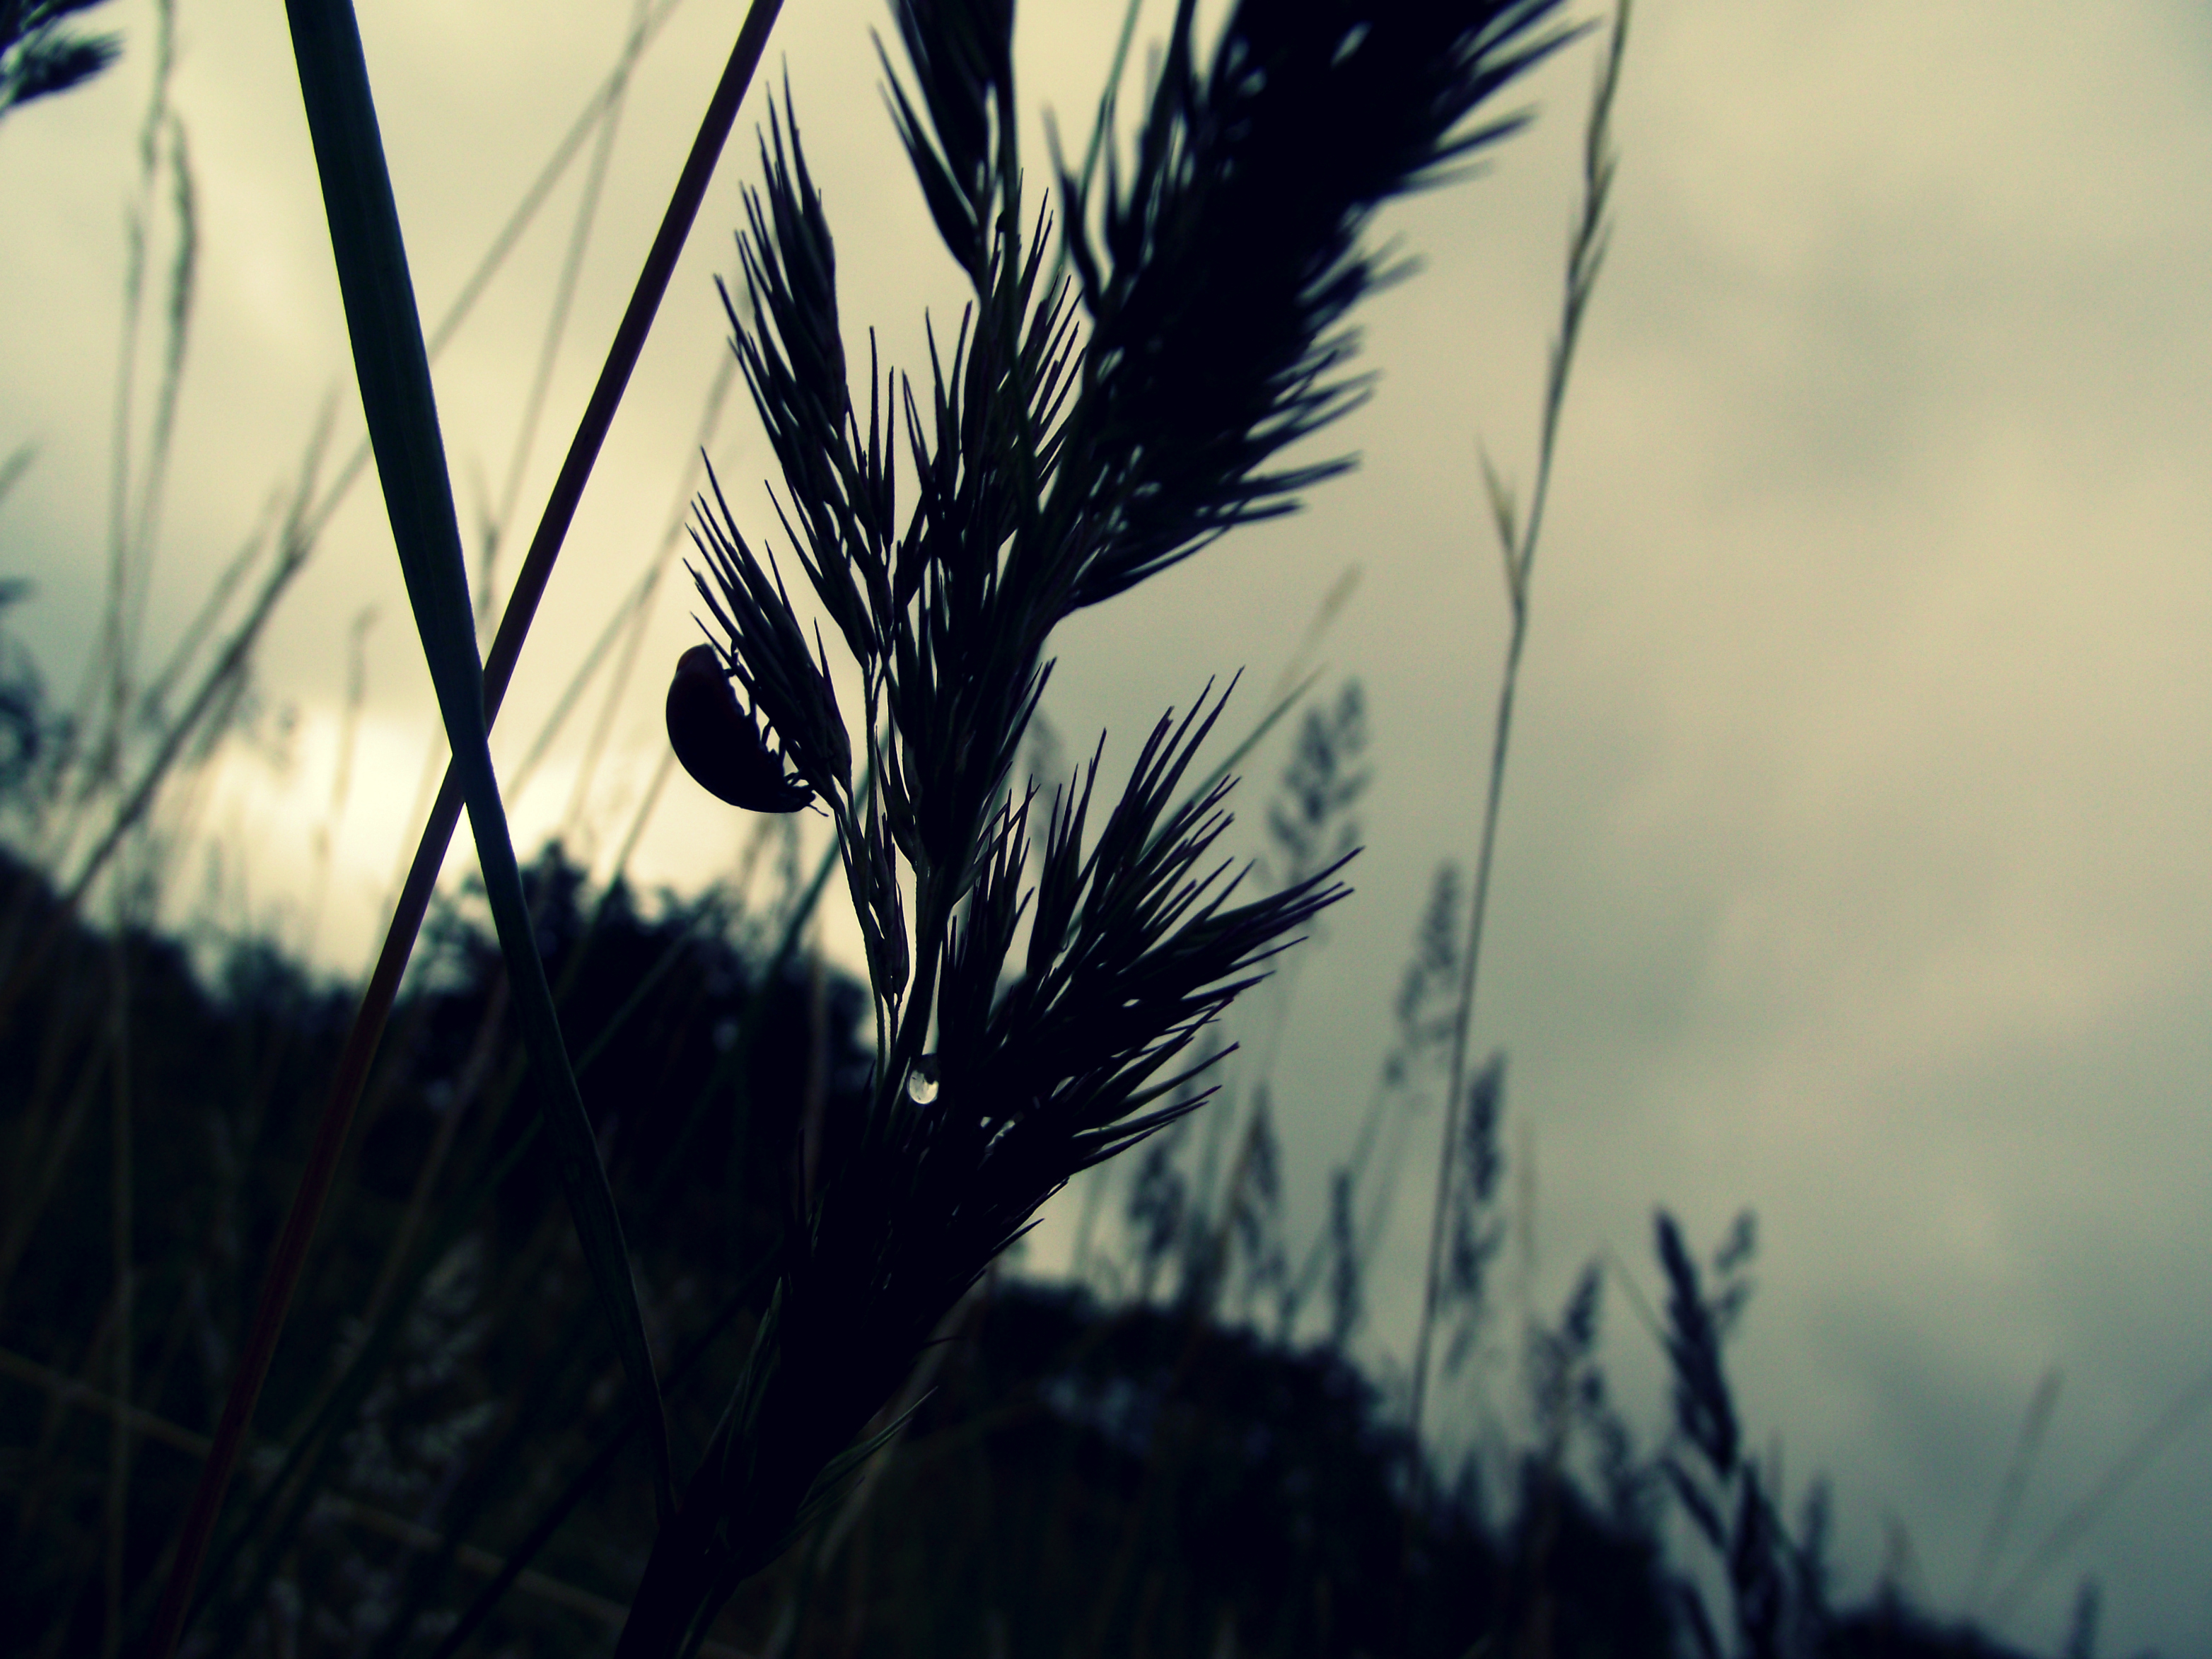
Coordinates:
(289, 1255)
(1518, 539)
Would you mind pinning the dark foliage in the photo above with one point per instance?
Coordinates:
(40, 56)
(1776, 1578)
(1092, 1480)
(1081, 1479)
(27, 729)
(485, 1324)
(1889, 1631)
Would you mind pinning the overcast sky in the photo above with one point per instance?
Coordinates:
(1854, 863)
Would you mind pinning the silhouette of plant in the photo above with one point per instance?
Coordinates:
(41, 55)
(1776, 1582)
(1047, 959)
(1053, 468)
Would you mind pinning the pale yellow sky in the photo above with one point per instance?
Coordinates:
(1854, 862)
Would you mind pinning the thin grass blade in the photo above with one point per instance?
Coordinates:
(398, 400)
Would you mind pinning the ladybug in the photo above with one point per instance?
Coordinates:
(720, 745)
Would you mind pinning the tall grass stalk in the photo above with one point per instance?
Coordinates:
(469, 700)
(2191, 1403)
(500, 513)
(1056, 463)
(1517, 541)
(2013, 1487)
(108, 691)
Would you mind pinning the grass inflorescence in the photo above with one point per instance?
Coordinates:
(1074, 438)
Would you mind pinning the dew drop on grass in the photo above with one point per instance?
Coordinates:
(921, 1080)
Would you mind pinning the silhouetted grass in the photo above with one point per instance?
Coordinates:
(787, 1190)
(41, 55)
(1088, 1477)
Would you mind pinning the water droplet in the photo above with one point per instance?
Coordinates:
(921, 1080)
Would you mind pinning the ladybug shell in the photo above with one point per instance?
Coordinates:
(719, 743)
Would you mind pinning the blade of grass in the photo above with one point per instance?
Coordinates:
(1585, 255)
(595, 113)
(369, 1020)
(467, 704)
(553, 527)
(393, 370)
(177, 316)
(2012, 1487)
(627, 618)
(110, 668)
(557, 325)
(399, 402)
